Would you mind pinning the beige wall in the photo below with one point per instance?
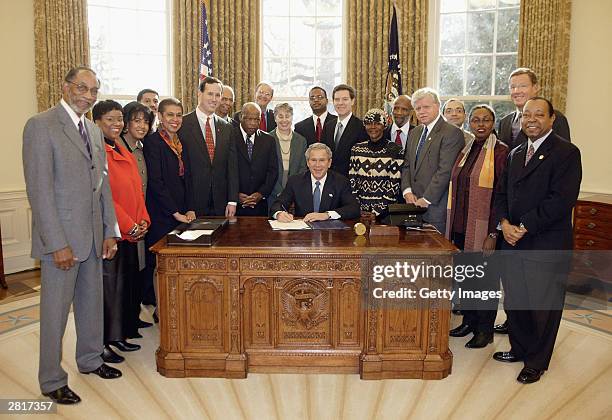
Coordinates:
(18, 86)
(590, 90)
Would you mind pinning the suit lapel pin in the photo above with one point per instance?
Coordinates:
(541, 157)
(331, 195)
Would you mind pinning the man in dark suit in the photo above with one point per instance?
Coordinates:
(342, 134)
(257, 163)
(536, 194)
(73, 228)
(226, 104)
(398, 131)
(263, 95)
(318, 194)
(429, 157)
(209, 156)
(312, 127)
(523, 86)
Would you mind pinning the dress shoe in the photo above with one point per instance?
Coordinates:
(124, 345)
(506, 356)
(105, 372)
(143, 324)
(155, 317)
(461, 331)
(479, 340)
(529, 375)
(501, 328)
(63, 395)
(109, 356)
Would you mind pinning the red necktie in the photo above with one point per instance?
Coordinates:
(398, 139)
(210, 142)
(318, 130)
(262, 122)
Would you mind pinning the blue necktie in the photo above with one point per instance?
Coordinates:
(316, 197)
(249, 144)
(420, 145)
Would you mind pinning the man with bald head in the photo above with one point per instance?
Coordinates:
(263, 95)
(257, 162)
(398, 131)
(226, 104)
(73, 228)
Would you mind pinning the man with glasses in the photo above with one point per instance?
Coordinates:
(73, 228)
(263, 95)
(312, 127)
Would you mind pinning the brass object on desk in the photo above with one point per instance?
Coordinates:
(359, 229)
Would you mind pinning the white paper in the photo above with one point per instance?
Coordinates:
(293, 225)
(190, 235)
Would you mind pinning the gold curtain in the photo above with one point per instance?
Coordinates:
(368, 42)
(61, 42)
(234, 27)
(186, 31)
(544, 38)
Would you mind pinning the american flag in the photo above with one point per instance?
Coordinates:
(394, 73)
(205, 47)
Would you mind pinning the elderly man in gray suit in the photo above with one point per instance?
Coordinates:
(73, 228)
(430, 155)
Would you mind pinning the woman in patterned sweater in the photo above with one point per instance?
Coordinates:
(374, 169)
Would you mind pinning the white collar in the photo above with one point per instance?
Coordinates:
(323, 116)
(404, 128)
(313, 180)
(536, 144)
(244, 134)
(431, 125)
(344, 122)
(73, 116)
(202, 116)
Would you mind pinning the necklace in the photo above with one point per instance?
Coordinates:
(283, 151)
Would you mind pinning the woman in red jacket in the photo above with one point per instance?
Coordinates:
(121, 289)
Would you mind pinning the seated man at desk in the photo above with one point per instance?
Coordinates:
(318, 194)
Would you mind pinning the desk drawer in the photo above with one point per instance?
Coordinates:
(591, 242)
(593, 211)
(599, 228)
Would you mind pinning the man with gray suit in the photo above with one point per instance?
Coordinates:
(73, 228)
(430, 155)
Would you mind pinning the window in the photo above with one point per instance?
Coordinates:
(130, 46)
(302, 47)
(476, 50)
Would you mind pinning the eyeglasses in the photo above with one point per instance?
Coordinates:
(81, 88)
(265, 94)
(476, 121)
(316, 98)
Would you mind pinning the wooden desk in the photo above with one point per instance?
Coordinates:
(281, 301)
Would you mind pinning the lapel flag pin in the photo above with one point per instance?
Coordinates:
(541, 157)
(331, 195)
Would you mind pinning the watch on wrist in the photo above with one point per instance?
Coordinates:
(493, 235)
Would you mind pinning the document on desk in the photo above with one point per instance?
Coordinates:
(293, 225)
(190, 235)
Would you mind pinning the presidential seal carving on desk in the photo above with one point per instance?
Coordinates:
(305, 304)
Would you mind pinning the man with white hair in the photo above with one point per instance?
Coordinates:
(429, 157)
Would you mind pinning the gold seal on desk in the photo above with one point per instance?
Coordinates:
(359, 229)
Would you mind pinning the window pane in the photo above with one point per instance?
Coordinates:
(302, 76)
(452, 34)
(329, 8)
(329, 37)
(117, 81)
(302, 7)
(303, 36)
(480, 32)
(276, 71)
(451, 76)
(478, 75)
(505, 3)
(507, 24)
(301, 109)
(452, 6)
(275, 7)
(275, 37)
(503, 108)
(481, 4)
(329, 74)
(503, 67)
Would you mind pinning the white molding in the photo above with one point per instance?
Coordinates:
(16, 219)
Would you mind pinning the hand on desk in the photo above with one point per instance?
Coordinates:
(284, 217)
(316, 217)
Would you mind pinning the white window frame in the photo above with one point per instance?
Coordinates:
(343, 58)
(433, 53)
(169, 63)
